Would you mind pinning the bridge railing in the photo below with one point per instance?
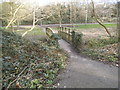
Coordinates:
(71, 36)
(49, 32)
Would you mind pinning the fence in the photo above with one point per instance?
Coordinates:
(71, 36)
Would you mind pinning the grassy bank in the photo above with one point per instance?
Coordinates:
(36, 34)
(89, 26)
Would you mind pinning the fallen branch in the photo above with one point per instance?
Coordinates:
(17, 76)
(28, 31)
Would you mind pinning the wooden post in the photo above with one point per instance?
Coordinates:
(66, 33)
(69, 34)
(60, 31)
(73, 37)
(63, 32)
(79, 39)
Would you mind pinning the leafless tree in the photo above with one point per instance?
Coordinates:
(14, 15)
(96, 18)
(86, 17)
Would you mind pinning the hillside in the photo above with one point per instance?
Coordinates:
(28, 64)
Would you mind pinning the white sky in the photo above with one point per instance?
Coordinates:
(46, 2)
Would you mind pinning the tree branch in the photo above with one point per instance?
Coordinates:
(32, 26)
(11, 21)
(95, 15)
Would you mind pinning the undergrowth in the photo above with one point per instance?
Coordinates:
(95, 43)
(28, 64)
(105, 50)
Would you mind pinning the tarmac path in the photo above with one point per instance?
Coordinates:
(86, 73)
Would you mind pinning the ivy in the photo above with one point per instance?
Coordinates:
(42, 60)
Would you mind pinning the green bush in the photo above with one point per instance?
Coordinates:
(112, 58)
(55, 36)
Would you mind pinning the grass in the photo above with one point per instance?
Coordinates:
(88, 26)
(35, 31)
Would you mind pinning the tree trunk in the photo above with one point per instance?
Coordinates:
(95, 15)
(70, 11)
(11, 8)
(60, 17)
(18, 25)
(86, 17)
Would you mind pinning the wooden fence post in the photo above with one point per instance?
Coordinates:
(73, 37)
(69, 34)
(58, 31)
(62, 32)
(66, 36)
(79, 41)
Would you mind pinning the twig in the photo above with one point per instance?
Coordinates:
(17, 76)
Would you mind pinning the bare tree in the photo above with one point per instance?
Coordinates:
(71, 14)
(14, 15)
(86, 17)
(37, 18)
(96, 18)
(59, 10)
(33, 26)
(59, 14)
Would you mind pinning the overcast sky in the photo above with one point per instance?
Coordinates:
(46, 2)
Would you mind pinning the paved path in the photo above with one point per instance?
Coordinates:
(84, 73)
